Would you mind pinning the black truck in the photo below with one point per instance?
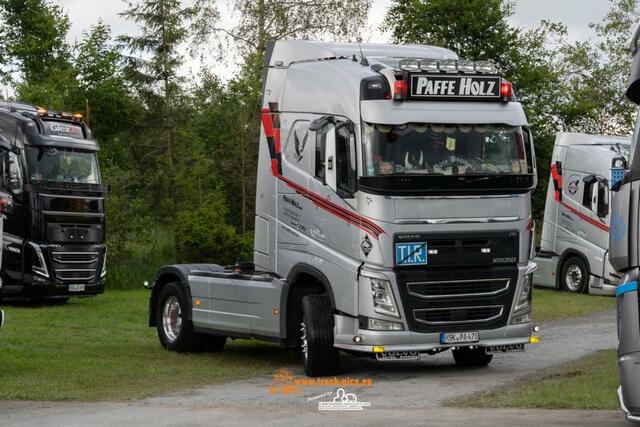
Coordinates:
(50, 186)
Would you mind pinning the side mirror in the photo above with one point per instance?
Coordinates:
(330, 174)
(602, 207)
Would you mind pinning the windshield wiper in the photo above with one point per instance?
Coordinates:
(465, 181)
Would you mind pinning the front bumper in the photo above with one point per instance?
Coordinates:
(48, 290)
(347, 330)
(627, 414)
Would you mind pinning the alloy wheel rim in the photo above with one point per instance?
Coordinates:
(573, 278)
(172, 318)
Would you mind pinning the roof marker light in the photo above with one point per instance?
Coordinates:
(41, 111)
(410, 65)
(465, 66)
(431, 66)
(448, 66)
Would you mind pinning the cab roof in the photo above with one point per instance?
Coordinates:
(574, 138)
(286, 52)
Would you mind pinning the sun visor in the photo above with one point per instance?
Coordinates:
(396, 113)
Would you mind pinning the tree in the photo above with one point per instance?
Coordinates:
(165, 26)
(34, 51)
(259, 22)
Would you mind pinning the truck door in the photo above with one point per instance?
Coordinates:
(16, 223)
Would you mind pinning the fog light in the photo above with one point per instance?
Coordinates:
(534, 339)
(357, 339)
(523, 318)
(378, 349)
(536, 328)
(383, 325)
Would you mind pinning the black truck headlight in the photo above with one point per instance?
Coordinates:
(383, 299)
(524, 299)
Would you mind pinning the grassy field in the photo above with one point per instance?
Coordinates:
(102, 349)
(589, 383)
(549, 304)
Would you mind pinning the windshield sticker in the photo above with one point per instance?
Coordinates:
(63, 129)
(451, 144)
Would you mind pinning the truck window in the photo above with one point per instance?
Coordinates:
(13, 175)
(346, 161)
(588, 193)
(321, 141)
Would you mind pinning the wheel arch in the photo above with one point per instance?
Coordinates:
(303, 280)
(568, 253)
(178, 273)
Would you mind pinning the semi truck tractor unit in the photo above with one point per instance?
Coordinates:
(54, 227)
(624, 255)
(573, 253)
(393, 214)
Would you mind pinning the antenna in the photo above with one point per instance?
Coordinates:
(363, 61)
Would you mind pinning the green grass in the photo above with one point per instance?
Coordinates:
(549, 304)
(101, 349)
(588, 383)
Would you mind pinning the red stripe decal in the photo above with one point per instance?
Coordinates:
(267, 123)
(272, 134)
(585, 217)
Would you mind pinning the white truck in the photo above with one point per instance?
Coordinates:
(393, 214)
(573, 253)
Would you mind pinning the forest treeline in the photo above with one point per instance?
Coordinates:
(180, 151)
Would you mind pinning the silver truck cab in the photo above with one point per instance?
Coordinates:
(624, 255)
(393, 212)
(573, 253)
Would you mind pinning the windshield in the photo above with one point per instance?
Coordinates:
(63, 165)
(429, 149)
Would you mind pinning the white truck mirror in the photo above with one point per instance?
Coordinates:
(330, 158)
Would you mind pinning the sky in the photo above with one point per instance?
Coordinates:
(575, 14)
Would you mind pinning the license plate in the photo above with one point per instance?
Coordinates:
(398, 355)
(459, 337)
(76, 288)
(511, 348)
(411, 253)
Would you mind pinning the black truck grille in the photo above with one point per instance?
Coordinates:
(76, 266)
(458, 315)
(468, 283)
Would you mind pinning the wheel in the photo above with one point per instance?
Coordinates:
(174, 328)
(320, 356)
(575, 275)
(467, 357)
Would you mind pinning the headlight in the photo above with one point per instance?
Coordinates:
(383, 300)
(525, 295)
(42, 267)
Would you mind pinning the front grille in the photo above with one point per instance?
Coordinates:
(84, 275)
(458, 288)
(458, 315)
(75, 257)
(450, 299)
(77, 266)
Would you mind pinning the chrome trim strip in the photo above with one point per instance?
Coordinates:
(92, 257)
(458, 220)
(479, 294)
(71, 197)
(458, 322)
(62, 213)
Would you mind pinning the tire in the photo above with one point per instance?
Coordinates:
(575, 275)
(320, 356)
(467, 357)
(175, 330)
